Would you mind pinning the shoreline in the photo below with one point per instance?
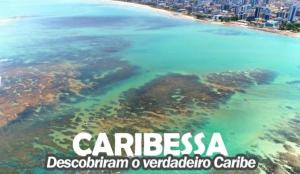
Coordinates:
(188, 17)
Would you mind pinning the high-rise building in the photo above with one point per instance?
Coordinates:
(254, 2)
(298, 13)
(292, 13)
(257, 12)
(236, 10)
(244, 2)
(225, 7)
(281, 14)
(266, 1)
(267, 13)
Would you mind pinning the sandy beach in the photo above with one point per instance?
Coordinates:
(184, 16)
(157, 10)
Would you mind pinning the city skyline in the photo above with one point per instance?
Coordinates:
(275, 14)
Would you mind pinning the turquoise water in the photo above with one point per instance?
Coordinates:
(58, 32)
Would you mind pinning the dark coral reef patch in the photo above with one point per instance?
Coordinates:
(35, 85)
(172, 102)
(241, 79)
(287, 158)
(176, 92)
(26, 87)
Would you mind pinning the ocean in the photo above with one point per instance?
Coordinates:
(73, 65)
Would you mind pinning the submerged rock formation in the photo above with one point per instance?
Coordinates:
(32, 86)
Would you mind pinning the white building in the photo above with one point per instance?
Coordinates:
(292, 13)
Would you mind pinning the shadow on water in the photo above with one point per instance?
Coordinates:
(111, 22)
(225, 32)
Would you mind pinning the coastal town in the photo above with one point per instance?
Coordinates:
(267, 15)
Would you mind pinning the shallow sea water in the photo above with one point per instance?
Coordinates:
(147, 45)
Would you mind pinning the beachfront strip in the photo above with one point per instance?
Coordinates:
(275, 14)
